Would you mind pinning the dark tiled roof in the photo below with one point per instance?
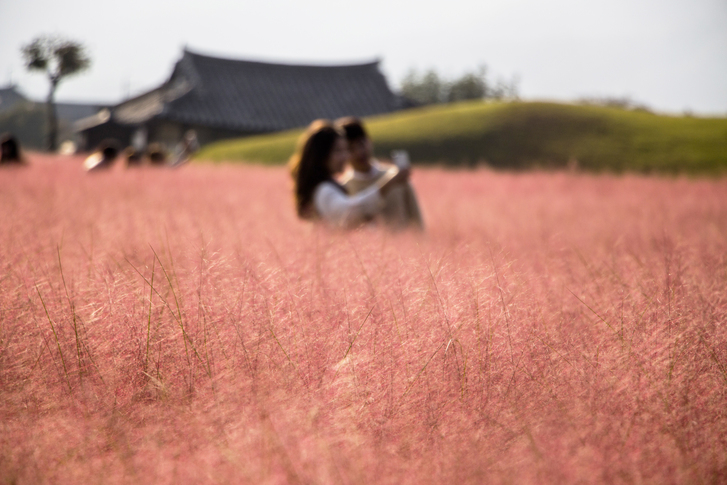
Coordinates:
(149, 104)
(259, 97)
(72, 112)
(9, 97)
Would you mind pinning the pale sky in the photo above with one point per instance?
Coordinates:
(668, 54)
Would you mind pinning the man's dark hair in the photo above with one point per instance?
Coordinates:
(352, 128)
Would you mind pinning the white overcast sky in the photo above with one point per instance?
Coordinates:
(668, 54)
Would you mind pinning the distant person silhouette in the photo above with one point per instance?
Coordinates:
(157, 155)
(103, 158)
(401, 208)
(133, 157)
(11, 154)
(321, 154)
(185, 148)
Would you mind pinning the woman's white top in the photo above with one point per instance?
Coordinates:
(341, 209)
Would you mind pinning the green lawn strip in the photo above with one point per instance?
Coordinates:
(523, 135)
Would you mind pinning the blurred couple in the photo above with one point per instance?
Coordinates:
(338, 181)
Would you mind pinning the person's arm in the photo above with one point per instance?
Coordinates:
(414, 213)
(393, 177)
(343, 210)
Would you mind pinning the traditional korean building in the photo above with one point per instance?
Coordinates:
(224, 98)
(10, 97)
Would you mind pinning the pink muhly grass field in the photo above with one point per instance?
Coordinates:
(184, 327)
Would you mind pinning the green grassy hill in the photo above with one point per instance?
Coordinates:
(524, 135)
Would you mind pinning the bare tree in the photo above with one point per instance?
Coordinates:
(58, 58)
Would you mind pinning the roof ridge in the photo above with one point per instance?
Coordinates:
(186, 64)
(375, 62)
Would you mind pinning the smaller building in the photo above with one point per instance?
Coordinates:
(28, 119)
(10, 97)
(226, 98)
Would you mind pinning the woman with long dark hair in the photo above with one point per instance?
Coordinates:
(321, 154)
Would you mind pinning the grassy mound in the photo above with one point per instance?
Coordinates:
(525, 135)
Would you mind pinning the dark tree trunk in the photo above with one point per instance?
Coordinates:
(52, 135)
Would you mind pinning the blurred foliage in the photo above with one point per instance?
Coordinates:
(431, 88)
(55, 56)
(614, 102)
(27, 121)
(520, 135)
(427, 88)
